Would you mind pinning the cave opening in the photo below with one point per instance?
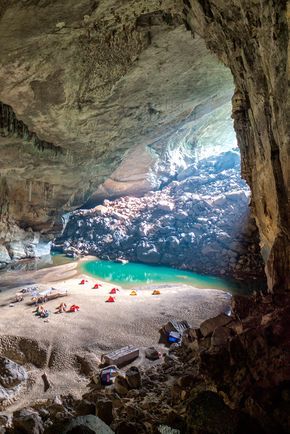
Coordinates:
(119, 154)
(178, 202)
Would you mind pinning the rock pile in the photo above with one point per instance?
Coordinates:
(229, 376)
(200, 222)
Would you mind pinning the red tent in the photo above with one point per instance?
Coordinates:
(110, 300)
(116, 289)
(74, 308)
(97, 285)
(113, 291)
(82, 282)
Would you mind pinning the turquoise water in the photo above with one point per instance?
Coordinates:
(132, 274)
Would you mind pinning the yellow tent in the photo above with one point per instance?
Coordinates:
(156, 292)
(133, 292)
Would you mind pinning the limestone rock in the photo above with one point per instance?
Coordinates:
(11, 374)
(104, 410)
(209, 325)
(121, 385)
(4, 255)
(133, 377)
(28, 421)
(151, 353)
(88, 424)
(82, 120)
(262, 127)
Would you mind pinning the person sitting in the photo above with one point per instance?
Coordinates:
(44, 313)
(61, 308)
(39, 310)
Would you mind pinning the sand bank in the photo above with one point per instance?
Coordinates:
(98, 326)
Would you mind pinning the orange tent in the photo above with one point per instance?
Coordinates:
(133, 292)
(110, 300)
(156, 292)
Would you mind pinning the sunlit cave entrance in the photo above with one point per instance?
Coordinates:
(127, 234)
(187, 208)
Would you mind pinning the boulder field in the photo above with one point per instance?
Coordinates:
(201, 222)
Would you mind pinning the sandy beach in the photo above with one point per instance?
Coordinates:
(58, 344)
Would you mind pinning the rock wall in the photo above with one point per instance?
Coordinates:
(87, 86)
(200, 222)
(93, 79)
(251, 39)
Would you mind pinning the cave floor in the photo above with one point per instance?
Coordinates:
(98, 326)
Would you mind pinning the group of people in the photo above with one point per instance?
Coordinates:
(44, 313)
(63, 308)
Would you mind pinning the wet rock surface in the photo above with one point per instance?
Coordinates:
(200, 223)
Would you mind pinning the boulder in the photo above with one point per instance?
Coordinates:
(241, 305)
(227, 160)
(11, 374)
(28, 421)
(104, 410)
(133, 377)
(151, 353)
(208, 326)
(4, 255)
(87, 425)
(148, 253)
(164, 205)
(126, 427)
(220, 337)
(121, 385)
(208, 413)
(16, 250)
(101, 210)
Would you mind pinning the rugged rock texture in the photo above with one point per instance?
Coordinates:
(87, 82)
(200, 222)
(87, 86)
(251, 39)
(12, 378)
(230, 376)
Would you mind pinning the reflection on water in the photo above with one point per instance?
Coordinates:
(38, 263)
(130, 274)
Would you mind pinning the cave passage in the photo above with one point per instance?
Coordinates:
(195, 217)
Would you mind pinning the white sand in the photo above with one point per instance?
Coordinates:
(98, 326)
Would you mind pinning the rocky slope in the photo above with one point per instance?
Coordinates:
(87, 87)
(251, 39)
(229, 376)
(199, 222)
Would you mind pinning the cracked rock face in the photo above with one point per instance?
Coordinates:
(85, 86)
(251, 39)
(88, 88)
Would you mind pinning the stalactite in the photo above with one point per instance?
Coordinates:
(11, 126)
(29, 191)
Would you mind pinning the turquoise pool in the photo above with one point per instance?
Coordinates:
(132, 274)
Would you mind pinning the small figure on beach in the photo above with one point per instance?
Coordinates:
(61, 308)
(18, 298)
(41, 311)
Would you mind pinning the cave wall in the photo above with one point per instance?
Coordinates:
(251, 39)
(90, 79)
(89, 90)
